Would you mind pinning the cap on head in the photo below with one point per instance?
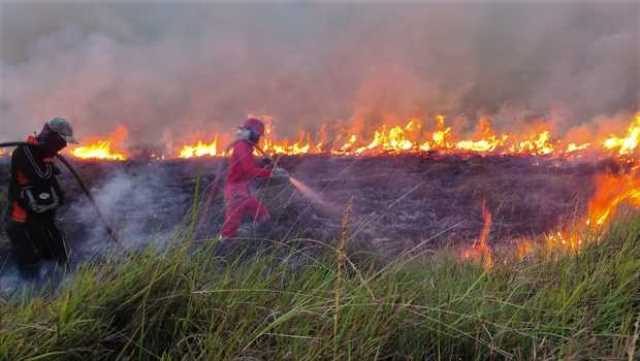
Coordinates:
(63, 128)
(255, 125)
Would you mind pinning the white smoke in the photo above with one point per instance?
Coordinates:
(142, 207)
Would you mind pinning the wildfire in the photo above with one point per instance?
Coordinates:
(573, 148)
(410, 137)
(200, 149)
(480, 250)
(104, 149)
(629, 143)
(99, 150)
(611, 191)
(417, 136)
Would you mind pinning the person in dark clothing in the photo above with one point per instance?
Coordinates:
(34, 197)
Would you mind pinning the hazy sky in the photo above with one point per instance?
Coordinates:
(169, 69)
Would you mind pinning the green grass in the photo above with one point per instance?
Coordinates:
(183, 304)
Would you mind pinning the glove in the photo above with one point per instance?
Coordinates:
(266, 162)
(279, 173)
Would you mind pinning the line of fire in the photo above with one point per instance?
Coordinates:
(414, 137)
(614, 185)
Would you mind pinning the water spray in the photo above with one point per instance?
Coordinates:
(302, 188)
(112, 234)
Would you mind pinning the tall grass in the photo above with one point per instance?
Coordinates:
(184, 304)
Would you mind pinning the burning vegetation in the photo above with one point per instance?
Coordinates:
(413, 137)
(103, 149)
(610, 160)
(438, 198)
(436, 139)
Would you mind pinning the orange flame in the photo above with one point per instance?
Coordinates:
(200, 149)
(627, 144)
(481, 250)
(103, 148)
(411, 137)
(611, 192)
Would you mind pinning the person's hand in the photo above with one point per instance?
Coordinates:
(266, 162)
(279, 173)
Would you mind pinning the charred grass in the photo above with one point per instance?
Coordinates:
(185, 304)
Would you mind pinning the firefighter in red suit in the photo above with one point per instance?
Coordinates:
(240, 202)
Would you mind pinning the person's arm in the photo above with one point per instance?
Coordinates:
(58, 189)
(28, 173)
(21, 174)
(244, 156)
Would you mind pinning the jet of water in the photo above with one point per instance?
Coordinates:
(313, 196)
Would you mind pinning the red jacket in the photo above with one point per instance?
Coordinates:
(242, 165)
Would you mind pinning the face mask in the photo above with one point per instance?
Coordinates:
(50, 142)
(254, 137)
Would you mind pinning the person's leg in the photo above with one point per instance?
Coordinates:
(261, 230)
(233, 215)
(24, 249)
(258, 212)
(249, 207)
(55, 244)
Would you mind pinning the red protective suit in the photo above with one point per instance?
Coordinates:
(240, 203)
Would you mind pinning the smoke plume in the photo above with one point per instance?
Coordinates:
(168, 71)
(143, 205)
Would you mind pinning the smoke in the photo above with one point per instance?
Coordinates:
(142, 205)
(168, 71)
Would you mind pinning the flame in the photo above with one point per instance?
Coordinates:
(611, 192)
(573, 148)
(413, 136)
(103, 149)
(524, 247)
(481, 250)
(200, 149)
(629, 143)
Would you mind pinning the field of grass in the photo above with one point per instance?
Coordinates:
(185, 304)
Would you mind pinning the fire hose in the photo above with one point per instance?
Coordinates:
(83, 187)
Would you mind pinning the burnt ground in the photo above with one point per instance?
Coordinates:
(396, 202)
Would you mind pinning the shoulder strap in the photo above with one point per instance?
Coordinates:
(42, 173)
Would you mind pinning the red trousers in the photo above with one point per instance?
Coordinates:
(240, 204)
